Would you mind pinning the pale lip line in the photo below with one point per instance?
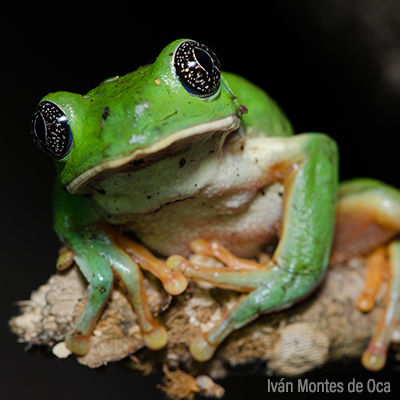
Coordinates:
(225, 124)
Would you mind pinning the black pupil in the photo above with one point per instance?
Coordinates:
(203, 59)
(40, 128)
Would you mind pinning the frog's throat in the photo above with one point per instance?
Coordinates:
(226, 124)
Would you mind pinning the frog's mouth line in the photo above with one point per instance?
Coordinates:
(227, 124)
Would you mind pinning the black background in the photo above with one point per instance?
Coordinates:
(317, 60)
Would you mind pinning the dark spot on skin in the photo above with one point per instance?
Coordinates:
(182, 162)
(106, 113)
(169, 116)
(102, 289)
(100, 191)
(148, 197)
(171, 54)
(212, 151)
(243, 109)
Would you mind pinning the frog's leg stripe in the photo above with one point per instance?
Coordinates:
(173, 281)
(374, 357)
(130, 279)
(100, 277)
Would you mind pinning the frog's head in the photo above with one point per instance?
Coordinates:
(137, 116)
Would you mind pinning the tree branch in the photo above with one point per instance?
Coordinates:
(325, 327)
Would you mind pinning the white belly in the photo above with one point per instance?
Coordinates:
(245, 230)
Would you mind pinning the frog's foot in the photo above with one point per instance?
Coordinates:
(174, 282)
(104, 263)
(383, 264)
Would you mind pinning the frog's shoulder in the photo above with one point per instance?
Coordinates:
(264, 116)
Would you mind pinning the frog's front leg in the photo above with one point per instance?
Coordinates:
(103, 260)
(307, 166)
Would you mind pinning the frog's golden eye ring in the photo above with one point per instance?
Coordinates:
(51, 131)
(197, 68)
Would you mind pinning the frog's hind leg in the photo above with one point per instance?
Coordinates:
(387, 260)
(368, 218)
(368, 215)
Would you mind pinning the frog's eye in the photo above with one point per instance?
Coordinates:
(50, 130)
(197, 68)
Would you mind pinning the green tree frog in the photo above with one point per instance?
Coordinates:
(177, 157)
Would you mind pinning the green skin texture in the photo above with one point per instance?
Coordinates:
(143, 110)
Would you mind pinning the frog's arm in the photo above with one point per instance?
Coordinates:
(307, 166)
(102, 259)
(368, 222)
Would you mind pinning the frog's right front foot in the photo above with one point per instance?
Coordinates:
(106, 257)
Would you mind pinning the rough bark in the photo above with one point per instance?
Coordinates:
(325, 327)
